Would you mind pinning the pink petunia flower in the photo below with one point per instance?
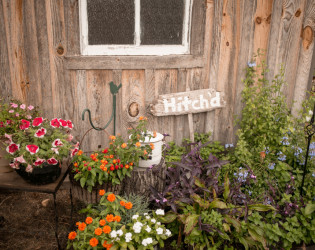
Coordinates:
(12, 148)
(20, 159)
(29, 168)
(56, 150)
(22, 106)
(9, 137)
(40, 133)
(39, 161)
(11, 111)
(24, 124)
(55, 123)
(30, 107)
(33, 149)
(63, 123)
(74, 151)
(52, 161)
(17, 114)
(57, 143)
(29, 117)
(9, 122)
(14, 165)
(14, 105)
(37, 121)
(70, 137)
(70, 125)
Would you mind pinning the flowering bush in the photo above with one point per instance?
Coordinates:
(34, 141)
(106, 231)
(115, 162)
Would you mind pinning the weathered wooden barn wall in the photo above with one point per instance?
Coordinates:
(40, 63)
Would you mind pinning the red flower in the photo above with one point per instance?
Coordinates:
(24, 124)
(55, 123)
(12, 148)
(9, 122)
(70, 125)
(37, 121)
(39, 162)
(116, 167)
(52, 161)
(33, 149)
(1, 124)
(74, 151)
(57, 143)
(89, 168)
(40, 133)
(105, 151)
(121, 165)
(112, 168)
(63, 123)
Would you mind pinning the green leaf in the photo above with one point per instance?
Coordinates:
(216, 203)
(168, 218)
(236, 223)
(226, 227)
(82, 181)
(190, 222)
(261, 207)
(130, 246)
(202, 203)
(199, 183)
(226, 187)
(257, 237)
(244, 242)
(309, 209)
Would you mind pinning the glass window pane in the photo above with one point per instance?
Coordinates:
(111, 21)
(161, 21)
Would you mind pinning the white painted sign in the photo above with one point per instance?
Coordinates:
(180, 103)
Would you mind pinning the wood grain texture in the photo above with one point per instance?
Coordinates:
(72, 27)
(5, 78)
(198, 27)
(284, 42)
(133, 62)
(305, 58)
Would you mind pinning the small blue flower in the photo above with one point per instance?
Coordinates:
(271, 166)
(298, 151)
(267, 150)
(229, 145)
(285, 141)
(312, 145)
(282, 157)
(250, 193)
(251, 64)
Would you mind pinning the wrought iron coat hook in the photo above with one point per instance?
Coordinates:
(114, 90)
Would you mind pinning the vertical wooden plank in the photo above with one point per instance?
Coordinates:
(197, 27)
(305, 58)
(5, 79)
(33, 86)
(284, 42)
(133, 97)
(166, 80)
(13, 20)
(57, 47)
(72, 27)
(43, 60)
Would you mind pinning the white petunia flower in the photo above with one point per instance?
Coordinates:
(148, 217)
(148, 229)
(134, 217)
(159, 230)
(128, 237)
(137, 227)
(168, 233)
(113, 234)
(160, 212)
(158, 223)
(147, 241)
(153, 220)
(145, 214)
(120, 232)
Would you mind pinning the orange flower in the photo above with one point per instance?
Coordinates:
(88, 220)
(102, 222)
(128, 205)
(98, 231)
(105, 169)
(154, 134)
(152, 146)
(112, 137)
(93, 242)
(127, 166)
(124, 145)
(80, 152)
(101, 192)
(75, 164)
(262, 154)
(122, 203)
(111, 156)
(110, 218)
(107, 246)
(117, 218)
(131, 163)
(72, 235)
(82, 226)
(111, 197)
(145, 152)
(141, 118)
(114, 161)
(107, 229)
(77, 224)
(138, 144)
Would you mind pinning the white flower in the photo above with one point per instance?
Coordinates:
(134, 217)
(145, 214)
(128, 237)
(168, 233)
(160, 212)
(153, 220)
(159, 230)
(158, 223)
(147, 241)
(120, 232)
(148, 217)
(137, 227)
(148, 229)
(113, 234)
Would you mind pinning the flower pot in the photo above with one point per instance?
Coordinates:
(40, 175)
(82, 194)
(156, 155)
(4, 163)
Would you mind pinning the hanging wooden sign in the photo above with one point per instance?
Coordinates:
(180, 103)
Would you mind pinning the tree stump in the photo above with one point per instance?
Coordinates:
(142, 178)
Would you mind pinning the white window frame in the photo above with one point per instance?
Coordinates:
(135, 49)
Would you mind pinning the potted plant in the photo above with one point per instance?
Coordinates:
(36, 147)
(107, 168)
(11, 115)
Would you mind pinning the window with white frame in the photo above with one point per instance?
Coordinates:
(135, 27)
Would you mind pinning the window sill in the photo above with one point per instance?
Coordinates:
(133, 62)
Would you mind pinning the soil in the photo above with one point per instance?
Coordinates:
(28, 225)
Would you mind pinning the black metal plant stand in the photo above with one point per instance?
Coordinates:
(310, 131)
